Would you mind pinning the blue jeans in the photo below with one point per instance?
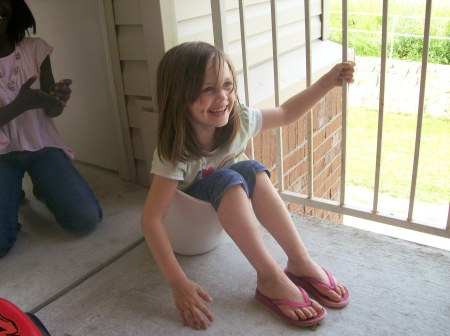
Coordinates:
(55, 181)
(212, 187)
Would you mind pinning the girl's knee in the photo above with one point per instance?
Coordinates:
(83, 222)
(230, 179)
(249, 170)
(232, 191)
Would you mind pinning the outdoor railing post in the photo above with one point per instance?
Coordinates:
(219, 23)
(273, 15)
(423, 77)
(384, 33)
(310, 117)
(245, 65)
(344, 101)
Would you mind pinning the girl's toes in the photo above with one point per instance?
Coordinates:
(290, 313)
(310, 312)
(341, 289)
(301, 315)
(316, 306)
(333, 295)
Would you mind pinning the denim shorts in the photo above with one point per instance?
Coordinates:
(212, 187)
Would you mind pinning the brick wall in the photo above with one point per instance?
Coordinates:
(327, 121)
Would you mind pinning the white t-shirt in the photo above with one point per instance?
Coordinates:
(33, 129)
(189, 172)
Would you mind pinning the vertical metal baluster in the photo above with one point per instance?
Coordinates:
(245, 65)
(344, 100)
(273, 14)
(219, 21)
(310, 118)
(384, 31)
(423, 77)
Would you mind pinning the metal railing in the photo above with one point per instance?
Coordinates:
(408, 222)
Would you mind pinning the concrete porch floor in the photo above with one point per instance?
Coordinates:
(107, 283)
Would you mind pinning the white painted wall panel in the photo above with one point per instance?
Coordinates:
(135, 79)
(74, 29)
(127, 12)
(130, 39)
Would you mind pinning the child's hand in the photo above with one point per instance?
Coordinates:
(29, 98)
(188, 298)
(342, 72)
(61, 91)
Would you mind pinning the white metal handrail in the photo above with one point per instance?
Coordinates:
(310, 200)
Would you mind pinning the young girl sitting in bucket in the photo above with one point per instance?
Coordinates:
(202, 131)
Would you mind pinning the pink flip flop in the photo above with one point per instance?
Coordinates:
(308, 284)
(274, 303)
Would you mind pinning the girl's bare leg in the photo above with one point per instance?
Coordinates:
(238, 220)
(277, 220)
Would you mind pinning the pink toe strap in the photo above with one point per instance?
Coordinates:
(318, 282)
(290, 303)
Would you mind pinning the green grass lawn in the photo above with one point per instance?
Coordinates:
(433, 182)
(368, 43)
(440, 8)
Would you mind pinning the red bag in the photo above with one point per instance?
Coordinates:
(14, 322)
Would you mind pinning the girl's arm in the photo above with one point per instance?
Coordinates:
(51, 97)
(160, 195)
(186, 293)
(298, 105)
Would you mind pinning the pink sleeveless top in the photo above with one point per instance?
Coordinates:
(33, 129)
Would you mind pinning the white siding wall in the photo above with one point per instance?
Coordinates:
(195, 23)
(139, 38)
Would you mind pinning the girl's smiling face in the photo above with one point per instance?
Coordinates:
(213, 106)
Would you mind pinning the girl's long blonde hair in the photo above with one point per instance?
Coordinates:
(180, 77)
